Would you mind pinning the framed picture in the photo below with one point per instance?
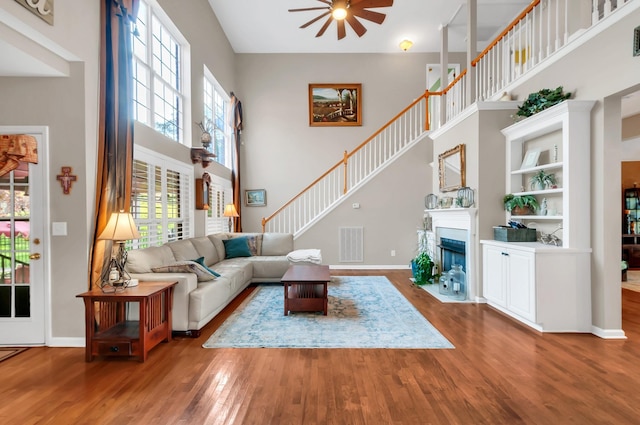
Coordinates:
(335, 105)
(255, 198)
(530, 159)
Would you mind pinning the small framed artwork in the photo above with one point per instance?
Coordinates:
(530, 159)
(255, 198)
(335, 105)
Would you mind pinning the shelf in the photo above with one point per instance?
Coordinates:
(540, 192)
(536, 217)
(552, 166)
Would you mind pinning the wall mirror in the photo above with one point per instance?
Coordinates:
(452, 169)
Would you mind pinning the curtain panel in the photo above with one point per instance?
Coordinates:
(115, 133)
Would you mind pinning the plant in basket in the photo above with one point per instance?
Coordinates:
(520, 204)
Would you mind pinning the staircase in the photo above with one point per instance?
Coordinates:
(357, 167)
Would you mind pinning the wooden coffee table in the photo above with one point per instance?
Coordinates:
(305, 288)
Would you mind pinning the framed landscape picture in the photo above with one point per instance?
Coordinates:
(335, 105)
(255, 197)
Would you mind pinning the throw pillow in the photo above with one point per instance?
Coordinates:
(252, 242)
(237, 247)
(201, 262)
(186, 267)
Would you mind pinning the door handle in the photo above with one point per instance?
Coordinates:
(35, 256)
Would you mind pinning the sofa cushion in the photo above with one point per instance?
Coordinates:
(218, 244)
(143, 260)
(186, 267)
(237, 247)
(277, 243)
(183, 250)
(253, 239)
(206, 249)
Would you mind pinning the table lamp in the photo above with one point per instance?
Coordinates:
(119, 229)
(230, 211)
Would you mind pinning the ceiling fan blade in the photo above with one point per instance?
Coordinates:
(372, 3)
(369, 15)
(314, 20)
(325, 26)
(342, 32)
(356, 25)
(308, 8)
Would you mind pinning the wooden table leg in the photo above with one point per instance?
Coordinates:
(89, 317)
(286, 299)
(143, 327)
(326, 298)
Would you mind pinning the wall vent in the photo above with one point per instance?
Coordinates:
(351, 245)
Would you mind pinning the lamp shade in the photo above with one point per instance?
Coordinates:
(120, 227)
(230, 211)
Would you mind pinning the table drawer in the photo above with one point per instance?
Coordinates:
(113, 348)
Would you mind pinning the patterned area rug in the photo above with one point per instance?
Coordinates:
(364, 312)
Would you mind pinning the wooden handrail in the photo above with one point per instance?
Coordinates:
(520, 17)
(342, 162)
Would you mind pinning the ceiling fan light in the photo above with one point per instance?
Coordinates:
(406, 44)
(339, 13)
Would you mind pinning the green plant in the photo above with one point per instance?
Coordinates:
(542, 180)
(422, 268)
(541, 100)
(520, 201)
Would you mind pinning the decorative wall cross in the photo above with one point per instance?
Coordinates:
(66, 179)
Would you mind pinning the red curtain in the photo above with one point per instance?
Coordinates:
(115, 134)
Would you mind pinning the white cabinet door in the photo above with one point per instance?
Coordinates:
(521, 283)
(494, 279)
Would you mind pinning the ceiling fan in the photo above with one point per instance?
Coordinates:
(347, 10)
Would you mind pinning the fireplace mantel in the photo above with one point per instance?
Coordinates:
(462, 219)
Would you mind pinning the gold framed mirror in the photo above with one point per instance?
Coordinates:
(452, 169)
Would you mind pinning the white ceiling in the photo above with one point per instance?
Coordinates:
(266, 26)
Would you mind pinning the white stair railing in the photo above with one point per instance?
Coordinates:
(368, 159)
(538, 32)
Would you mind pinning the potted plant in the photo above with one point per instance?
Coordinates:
(422, 268)
(541, 180)
(541, 100)
(520, 204)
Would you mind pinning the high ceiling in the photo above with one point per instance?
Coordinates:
(266, 26)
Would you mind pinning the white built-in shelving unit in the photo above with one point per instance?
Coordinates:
(547, 287)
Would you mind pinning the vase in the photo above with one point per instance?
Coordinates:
(457, 282)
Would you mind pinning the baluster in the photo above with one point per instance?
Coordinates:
(607, 8)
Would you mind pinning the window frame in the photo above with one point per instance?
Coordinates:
(210, 118)
(155, 15)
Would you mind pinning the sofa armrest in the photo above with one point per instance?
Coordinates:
(187, 282)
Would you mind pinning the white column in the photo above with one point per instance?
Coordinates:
(472, 49)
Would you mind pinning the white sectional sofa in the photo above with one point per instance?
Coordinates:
(198, 298)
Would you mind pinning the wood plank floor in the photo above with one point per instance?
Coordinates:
(499, 373)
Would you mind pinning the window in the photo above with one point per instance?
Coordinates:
(158, 73)
(220, 195)
(160, 199)
(216, 117)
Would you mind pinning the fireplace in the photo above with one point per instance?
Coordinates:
(452, 251)
(453, 239)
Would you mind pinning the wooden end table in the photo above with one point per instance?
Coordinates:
(114, 334)
(305, 288)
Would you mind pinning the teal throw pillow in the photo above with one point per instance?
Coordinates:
(237, 247)
(201, 262)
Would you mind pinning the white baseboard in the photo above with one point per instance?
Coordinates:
(608, 333)
(368, 267)
(66, 342)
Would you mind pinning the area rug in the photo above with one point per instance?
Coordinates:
(364, 312)
(6, 352)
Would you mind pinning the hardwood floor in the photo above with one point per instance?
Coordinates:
(500, 372)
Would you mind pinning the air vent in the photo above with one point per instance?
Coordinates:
(351, 245)
(636, 41)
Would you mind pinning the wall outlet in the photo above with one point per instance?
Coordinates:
(355, 205)
(393, 252)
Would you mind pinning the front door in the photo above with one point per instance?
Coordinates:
(22, 283)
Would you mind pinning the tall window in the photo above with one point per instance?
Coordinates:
(216, 116)
(159, 89)
(160, 199)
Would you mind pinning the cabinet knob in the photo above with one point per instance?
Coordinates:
(505, 254)
(114, 349)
